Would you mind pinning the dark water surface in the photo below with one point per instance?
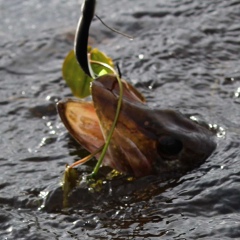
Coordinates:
(186, 56)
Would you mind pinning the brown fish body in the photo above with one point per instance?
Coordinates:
(145, 141)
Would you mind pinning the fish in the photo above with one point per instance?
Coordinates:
(145, 141)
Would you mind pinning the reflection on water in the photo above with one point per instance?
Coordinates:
(185, 56)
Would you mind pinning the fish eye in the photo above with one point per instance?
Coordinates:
(169, 146)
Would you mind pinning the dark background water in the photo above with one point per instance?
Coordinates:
(185, 56)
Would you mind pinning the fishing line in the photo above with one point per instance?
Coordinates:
(113, 29)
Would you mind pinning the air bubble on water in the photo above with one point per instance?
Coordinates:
(237, 93)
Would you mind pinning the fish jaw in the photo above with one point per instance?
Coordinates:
(80, 119)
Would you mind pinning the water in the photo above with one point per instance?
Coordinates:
(185, 56)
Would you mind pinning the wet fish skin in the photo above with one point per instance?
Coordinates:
(145, 141)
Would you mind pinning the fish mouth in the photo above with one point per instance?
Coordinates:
(81, 121)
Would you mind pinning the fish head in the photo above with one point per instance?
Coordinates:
(145, 141)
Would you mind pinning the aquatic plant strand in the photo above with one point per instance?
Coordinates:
(119, 104)
(86, 159)
(105, 146)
